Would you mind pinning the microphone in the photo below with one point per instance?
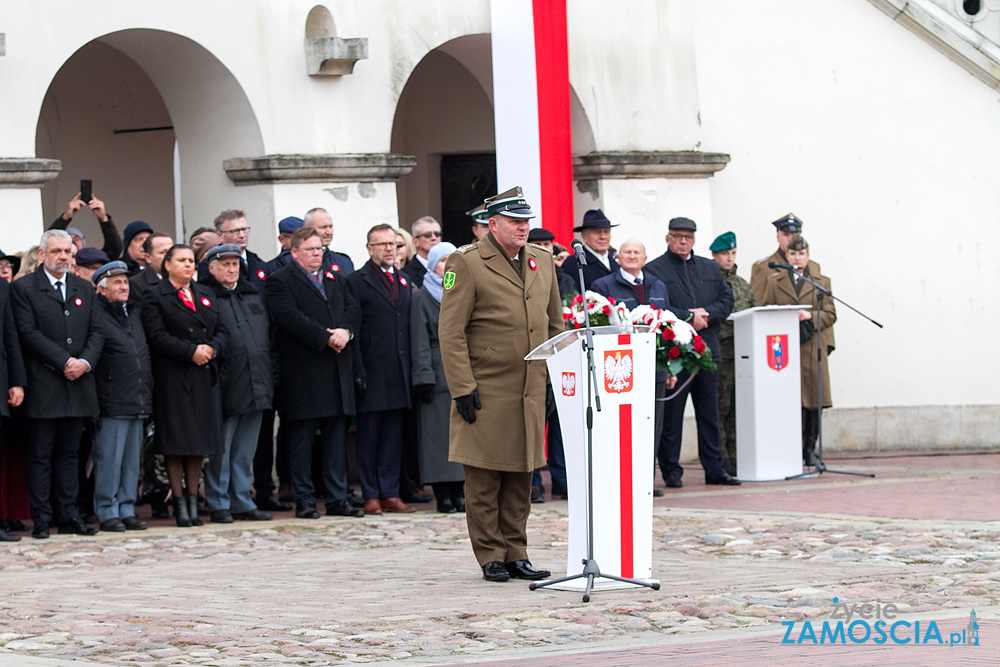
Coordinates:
(779, 265)
(581, 257)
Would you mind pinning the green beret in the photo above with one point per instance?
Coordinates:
(797, 242)
(724, 241)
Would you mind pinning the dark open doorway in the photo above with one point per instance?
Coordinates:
(466, 180)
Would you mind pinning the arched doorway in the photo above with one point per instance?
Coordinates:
(150, 116)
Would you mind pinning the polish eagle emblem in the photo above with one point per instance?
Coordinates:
(569, 384)
(618, 371)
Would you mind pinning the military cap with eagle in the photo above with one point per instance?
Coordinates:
(510, 203)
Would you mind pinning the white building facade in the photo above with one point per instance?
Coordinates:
(876, 122)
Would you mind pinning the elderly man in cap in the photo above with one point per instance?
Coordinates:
(125, 396)
(87, 261)
(595, 232)
(724, 253)
(501, 300)
(286, 227)
(247, 386)
(56, 320)
(112, 240)
(233, 228)
(426, 234)
(699, 294)
(337, 262)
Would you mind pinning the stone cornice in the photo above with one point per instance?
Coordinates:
(326, 168)
(647, 164)
(27, 172)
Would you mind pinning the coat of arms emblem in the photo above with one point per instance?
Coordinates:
(618, 371)
(569, 384)
(777, 352)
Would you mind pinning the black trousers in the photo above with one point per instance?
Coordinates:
(810, 429)
(301, 437)
(704, 392)
(53, 446)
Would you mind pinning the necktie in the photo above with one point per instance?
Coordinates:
(185, 294)
(62, 297)
(125, 310)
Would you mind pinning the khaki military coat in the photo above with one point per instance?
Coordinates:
(490, 319)
(779, 291)
(760, 271)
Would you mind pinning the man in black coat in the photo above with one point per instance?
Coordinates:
(383, 371)
(154, 248)
(247, 387)
(232, 226)
(426, 234)
(13, 377)
(54, 312)
(316, 316)
(699, 293)
(596, 235)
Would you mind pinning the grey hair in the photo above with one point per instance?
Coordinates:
(633, 240)
(419, 223)
(43, 245)
(103, 282)
(308, 218)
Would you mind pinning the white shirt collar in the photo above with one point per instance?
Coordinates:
(601, 257)
(53, 279)
(629, 278)
(422, 260)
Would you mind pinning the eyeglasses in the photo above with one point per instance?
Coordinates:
(427, 235)
(399, 246)
(237, 231)
(682, 237)
(387, 244)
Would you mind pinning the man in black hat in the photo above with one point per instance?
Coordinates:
(89, 260)
(698, 294)
(595, 232)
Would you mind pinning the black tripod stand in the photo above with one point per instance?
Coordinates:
(590, 568)
(821, 293)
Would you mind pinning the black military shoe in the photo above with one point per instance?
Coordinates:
(724, 479)
(221, 516)
(495, 571)
(253, 515)
(272, 504)
(523, 569)
(40, 531)
(76, 526)
(343, 508)
(134, 523)
(7, 537)
(674, 481)
(306, 512)
(113, 525)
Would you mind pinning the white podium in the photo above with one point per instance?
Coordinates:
(625, 357)
(768, 392)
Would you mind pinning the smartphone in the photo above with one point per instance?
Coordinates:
(86, 190)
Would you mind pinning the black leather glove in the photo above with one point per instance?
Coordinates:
(360, 387)
(423, 392)
(550, 401)
(467, 406)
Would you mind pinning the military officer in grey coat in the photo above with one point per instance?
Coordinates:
(501, 300)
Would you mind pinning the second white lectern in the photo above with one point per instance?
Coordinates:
(625, 357)
(768, 392)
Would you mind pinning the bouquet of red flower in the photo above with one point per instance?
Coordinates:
(678, 346)
(603, 311)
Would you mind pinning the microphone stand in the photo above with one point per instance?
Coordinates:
(590, 568)
(820, 467)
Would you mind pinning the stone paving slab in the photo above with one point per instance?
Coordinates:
(405, 588)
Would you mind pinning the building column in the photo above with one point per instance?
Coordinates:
(21, 201)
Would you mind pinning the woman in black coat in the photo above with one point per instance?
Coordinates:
(185, 336)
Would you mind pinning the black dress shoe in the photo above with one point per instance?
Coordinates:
(674, 481)
(134, 523)
(40, 531)
(16, 526)
(724, 479)
(221, 516)
(537, 494)
(495, 571)
(523, 569)
(113, 525)
(306, 512)
(657, 493)
(253, 515)
(446, 506)
(76, 526)
(459, 503)
(559, 491)
(7, 537)
(343, 508)
(272, 504)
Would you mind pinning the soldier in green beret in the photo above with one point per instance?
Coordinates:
(724, 253)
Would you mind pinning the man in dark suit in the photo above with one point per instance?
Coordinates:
(54, 311)
(337, 262)
(13, 377)
(154, 248)
(232, 226)
(426, 234)
(383, 371)
(596, 235)
(697, 290)
(316, 318)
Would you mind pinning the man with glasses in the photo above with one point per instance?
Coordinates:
(232, 226)
(426, 234)
(698, 294)
(337, 262)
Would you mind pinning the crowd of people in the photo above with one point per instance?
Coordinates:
(204, 348)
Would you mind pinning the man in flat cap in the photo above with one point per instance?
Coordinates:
(286, 227)
(724, 253)
(595, 232)
(500, 301)
(698, 294)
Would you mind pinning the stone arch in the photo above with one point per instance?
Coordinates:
(169, 95)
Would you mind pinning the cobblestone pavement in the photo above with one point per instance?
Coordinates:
(406, 587)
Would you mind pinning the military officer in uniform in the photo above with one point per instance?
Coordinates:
(500, 301)
(724, 253)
